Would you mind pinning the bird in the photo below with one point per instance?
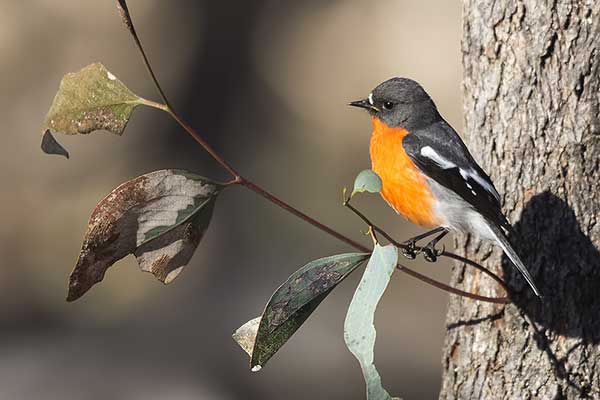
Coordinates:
(428, 174)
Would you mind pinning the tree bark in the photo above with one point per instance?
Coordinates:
(531, 101)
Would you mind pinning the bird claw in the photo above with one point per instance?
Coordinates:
(410, 250)
(431, 254)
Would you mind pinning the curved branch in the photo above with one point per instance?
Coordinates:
(453, 290)
(238, 179)
(432, 282)
(128, 21)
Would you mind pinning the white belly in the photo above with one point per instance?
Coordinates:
(458, 215)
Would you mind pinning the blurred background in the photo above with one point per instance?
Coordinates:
(267, 83)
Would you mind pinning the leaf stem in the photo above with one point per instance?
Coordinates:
(154, 104)
(238, 179)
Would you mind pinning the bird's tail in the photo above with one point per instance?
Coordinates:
(514, 257)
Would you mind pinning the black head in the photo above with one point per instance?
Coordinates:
(400, 102)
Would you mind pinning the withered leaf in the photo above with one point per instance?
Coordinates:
(91, 99)
(51, 146)
(245, 335)
(159, 217)
(295, 300)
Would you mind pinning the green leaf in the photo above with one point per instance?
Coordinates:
(292, 303)
(359, 329)
(159, 217)
(91, 99)
(366, 181)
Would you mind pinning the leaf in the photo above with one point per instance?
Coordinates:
(159, 217)
(359, 329)
(294, 301)
(366, 181)
(245, 335)
(51, 146)
(91, 99)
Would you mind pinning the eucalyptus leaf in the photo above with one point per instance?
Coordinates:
(359, 328)
(159, 217)
(367, 181)
(293, 302)
(245, 335)
(91, 99)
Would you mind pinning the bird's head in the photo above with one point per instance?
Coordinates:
(399, 102)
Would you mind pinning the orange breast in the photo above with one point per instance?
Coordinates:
(404, 188)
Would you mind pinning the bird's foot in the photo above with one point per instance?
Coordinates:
(431, 253)
(410, 250)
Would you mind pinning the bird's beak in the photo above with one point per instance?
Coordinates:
(364, 103)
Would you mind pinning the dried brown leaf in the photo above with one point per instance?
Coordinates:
(159, 217)
(51, 146)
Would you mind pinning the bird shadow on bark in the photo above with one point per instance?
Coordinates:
(566, 266)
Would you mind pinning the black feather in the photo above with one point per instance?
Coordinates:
(473, 185)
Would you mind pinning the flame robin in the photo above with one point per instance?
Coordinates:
(428, 174)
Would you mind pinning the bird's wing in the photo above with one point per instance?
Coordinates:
(441, 155)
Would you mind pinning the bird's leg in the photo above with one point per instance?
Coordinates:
(430, 252)
(410, 251)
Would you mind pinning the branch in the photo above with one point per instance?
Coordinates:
(238, 179)
(127, 20)
(432, 282)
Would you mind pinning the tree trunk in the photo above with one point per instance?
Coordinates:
(531, 96)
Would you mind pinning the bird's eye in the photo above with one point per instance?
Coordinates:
(388, 105)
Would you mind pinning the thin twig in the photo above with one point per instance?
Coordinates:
(275, 200)
(418, 248)
(453, 290)
(205, 145)
(238, 179)
(432, 282)
(128, 21)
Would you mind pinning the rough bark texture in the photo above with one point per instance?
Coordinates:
(531, 95)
